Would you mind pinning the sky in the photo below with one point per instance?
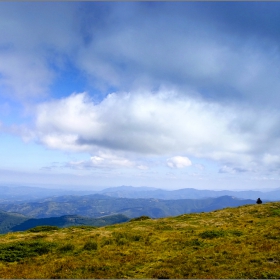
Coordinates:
(162, 94)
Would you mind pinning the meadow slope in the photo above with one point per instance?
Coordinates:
(241, 242)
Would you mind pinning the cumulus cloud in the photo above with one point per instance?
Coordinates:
(142, 123)
(110, 160)
(105, 161)
(178, 162)
(188, 80)
(162, 123)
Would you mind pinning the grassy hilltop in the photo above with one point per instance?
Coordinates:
(242, 242)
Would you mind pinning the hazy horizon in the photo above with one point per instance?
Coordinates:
(168, 95)
(100, 188)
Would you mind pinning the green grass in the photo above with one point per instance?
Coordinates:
(90, 245)
(233, 243)
(17, 251)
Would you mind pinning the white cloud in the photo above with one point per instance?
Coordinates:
(162, 123)
(224, 99)
(103, 161)
(178, 162)
(147, 123)
(110, 160)
(143, 123)
(158, 125)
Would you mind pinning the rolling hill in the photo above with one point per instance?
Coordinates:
(71, 220)
(10, 222)
(233, 243)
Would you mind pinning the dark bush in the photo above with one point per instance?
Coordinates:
(141, 218)
(20, 250)
(121, 241)
(90, 245)
(135, 237)
(43, 228)
(67, 248)
(162, 273)
(107, 242)
(195, 242)
(236, 232)
(212, 234)
(87, 227)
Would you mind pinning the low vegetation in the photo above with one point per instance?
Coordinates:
(43, 228)
(141, 218)
(242, 242)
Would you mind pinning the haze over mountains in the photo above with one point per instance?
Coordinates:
(24, 193)
(97, 205)
(26, 207)
(186, 193)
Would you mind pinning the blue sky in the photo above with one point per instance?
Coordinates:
(161, 94)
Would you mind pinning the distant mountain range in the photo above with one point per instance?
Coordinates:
(23, 193)
(26, 207)
(97, 205)
(187, 193)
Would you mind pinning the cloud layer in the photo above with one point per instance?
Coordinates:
(163, 123)
(148, 123)
(163, 83)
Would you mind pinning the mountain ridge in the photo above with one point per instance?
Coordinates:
(23, 193)
(97, 205)
(134, 192)
(11, 222)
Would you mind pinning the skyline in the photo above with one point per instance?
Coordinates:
(161, 94)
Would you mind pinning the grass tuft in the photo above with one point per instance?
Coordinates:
(90, 245)
(13, 252)
(212, 234)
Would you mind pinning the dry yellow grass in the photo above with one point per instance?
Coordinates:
(241, 242)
